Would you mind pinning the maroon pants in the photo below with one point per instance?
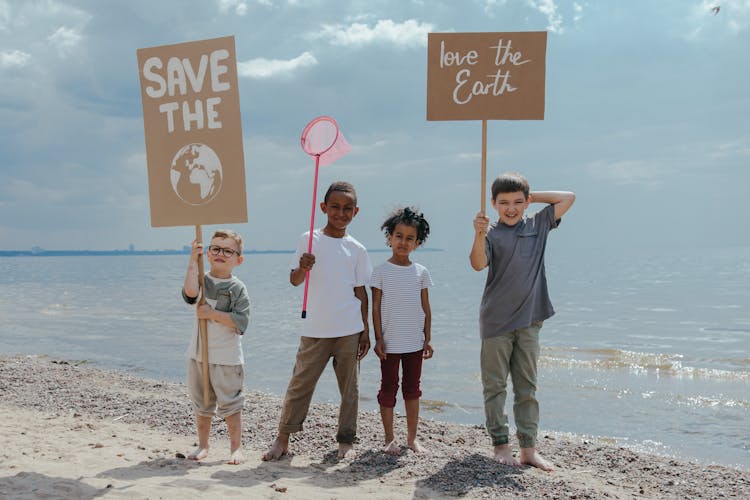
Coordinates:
(412, 367)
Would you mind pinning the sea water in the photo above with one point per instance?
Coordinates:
(650, 352)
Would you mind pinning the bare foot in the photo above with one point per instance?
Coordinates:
(236, 458)
(529, 456)
(416, 447)
(278, 449)
(392, 448)
(346, 450)
(504, 455)
(199, 453)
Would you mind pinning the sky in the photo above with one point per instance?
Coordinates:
(646, 118)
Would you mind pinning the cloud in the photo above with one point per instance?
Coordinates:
(410, 33)
(629, 171)
(13, 59)
(578, 11)
(4, 15)
(239, 6)
(261, 68)
(65, 39)
(549, 9)
(490, 4)
(730, 149)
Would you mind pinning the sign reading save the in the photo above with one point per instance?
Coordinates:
(191, 115)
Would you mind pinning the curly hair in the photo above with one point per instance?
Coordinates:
(409, 216)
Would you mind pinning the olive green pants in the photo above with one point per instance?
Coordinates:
(515, 353)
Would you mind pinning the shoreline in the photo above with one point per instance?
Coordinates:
(78, 431)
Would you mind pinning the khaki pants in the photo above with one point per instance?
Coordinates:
(312, 358)
(515, 353)
(225, 396)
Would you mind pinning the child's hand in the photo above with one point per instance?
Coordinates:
(306, 261)
(364, 345)
(197, 250)
(481, 223)
(204, 311)
(379, 349)
(428, 351)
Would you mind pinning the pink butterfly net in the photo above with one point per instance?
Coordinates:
(322, 140)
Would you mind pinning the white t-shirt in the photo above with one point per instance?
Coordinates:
(224, 342)
(401, 313)
(340, 265)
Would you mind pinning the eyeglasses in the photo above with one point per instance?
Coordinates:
(226, 252)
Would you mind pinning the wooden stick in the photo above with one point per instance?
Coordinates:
(202, 322)
(310, 239)
(484, 165)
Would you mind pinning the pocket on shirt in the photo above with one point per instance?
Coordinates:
(223, 301)
(527, 242)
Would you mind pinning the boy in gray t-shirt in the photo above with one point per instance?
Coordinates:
(514, 305)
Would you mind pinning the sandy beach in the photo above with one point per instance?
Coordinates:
(73, 431)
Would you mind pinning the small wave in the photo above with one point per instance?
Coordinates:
(436, 406)
(706, 402)
(635, 362)
(731, 330)
(55, 310)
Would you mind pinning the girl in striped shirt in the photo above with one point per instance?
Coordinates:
(401, 320)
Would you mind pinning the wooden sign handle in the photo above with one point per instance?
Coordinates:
(202, 326)
(484, 165)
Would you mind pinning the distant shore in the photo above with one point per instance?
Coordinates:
(73, 431)
(79, 253)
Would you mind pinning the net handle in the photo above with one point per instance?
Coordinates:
(309, 127)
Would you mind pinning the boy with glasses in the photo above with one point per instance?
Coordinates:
(227, 311)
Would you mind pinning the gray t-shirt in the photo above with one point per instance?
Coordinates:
(515, 295)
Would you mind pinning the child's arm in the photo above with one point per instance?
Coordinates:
(297, 276)
(236, 318)
(364, 339)
(428, 350)
(207, 312)
(377, 325)
(562, 200)
(478, 255)
(191, 287)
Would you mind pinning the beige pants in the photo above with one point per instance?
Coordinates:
(225, 396)
(312, 358)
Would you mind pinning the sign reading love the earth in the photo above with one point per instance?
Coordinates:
(191, 115)
(486, 76)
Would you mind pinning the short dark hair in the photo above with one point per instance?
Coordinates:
(408, 216)
(510, 182)
(343, 187)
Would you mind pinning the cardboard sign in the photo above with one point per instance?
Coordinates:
(486, 76)
(191, 115)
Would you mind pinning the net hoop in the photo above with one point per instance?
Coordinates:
(309, 127)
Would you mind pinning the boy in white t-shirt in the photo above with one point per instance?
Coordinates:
(227, 311)
(336, 322)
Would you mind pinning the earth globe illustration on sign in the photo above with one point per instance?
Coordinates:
(196, 174)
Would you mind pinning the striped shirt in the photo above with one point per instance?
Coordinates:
(401, 313)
